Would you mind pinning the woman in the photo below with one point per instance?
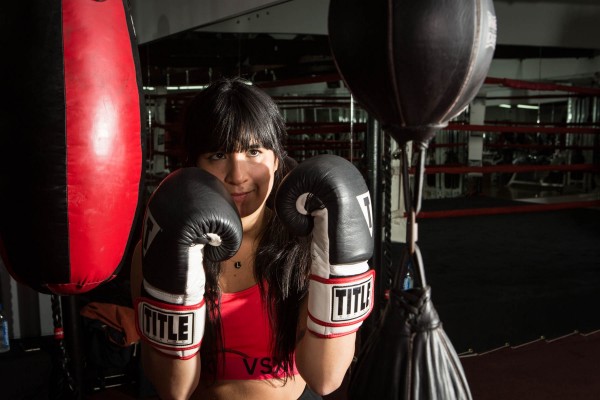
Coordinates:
(234, 131)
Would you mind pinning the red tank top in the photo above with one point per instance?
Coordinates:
(247, 338)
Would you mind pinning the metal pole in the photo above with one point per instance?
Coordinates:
(73, 341)
(373, 153)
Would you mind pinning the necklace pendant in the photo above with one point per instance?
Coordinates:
(237, 265)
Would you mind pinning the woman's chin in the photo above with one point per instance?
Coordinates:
(247, 211)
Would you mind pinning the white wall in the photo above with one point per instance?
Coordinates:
(566, 23)
(154, 19)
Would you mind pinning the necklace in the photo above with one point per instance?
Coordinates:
(237, 264)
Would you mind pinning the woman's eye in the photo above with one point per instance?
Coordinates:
(217, 156)
(253, 152)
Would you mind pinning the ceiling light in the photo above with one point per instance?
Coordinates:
(528, 106)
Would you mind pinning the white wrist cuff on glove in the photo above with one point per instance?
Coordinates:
(338, 306)
(171, 329)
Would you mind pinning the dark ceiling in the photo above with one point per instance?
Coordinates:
(196, 57)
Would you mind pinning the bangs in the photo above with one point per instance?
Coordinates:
(231, 117)
(240, 132)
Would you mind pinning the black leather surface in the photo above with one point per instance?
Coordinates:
(413, 65)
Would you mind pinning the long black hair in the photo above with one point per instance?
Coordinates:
(231, 115)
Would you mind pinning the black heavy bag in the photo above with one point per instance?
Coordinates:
(71, 143)
(427, 59)
(408, 355)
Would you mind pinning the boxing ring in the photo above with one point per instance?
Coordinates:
(518, 297)
(535, 242)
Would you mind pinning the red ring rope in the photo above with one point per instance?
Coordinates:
(526, 208)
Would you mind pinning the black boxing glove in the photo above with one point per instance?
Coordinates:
(189, 216)
(327, 195)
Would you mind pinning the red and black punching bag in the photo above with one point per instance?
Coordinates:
(71, 143)
(413, 65)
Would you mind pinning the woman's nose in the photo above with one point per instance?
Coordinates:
(236, 173)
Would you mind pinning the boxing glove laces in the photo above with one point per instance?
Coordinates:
(189, 216)
(328, 197)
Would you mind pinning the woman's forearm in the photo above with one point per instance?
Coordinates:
(322, 362)
(172, 378)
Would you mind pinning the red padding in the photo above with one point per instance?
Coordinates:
(104, 154)
(488, 169)
(520, 129)
(518, 84)
(526, 208)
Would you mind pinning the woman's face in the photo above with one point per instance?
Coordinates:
(248, 175)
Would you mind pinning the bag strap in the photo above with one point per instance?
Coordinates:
(411, 256)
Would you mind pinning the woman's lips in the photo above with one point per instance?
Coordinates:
(239, 197)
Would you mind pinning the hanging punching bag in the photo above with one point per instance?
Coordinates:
(71, 143)
(426, 60)
(413, 65)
